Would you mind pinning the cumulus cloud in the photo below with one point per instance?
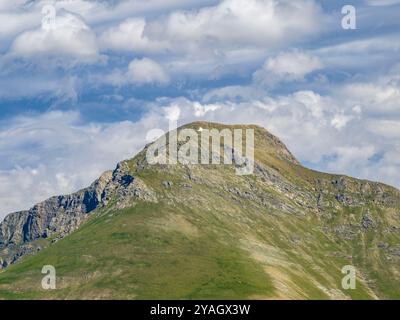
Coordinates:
(379, 97)
(118, 10)
(139, 72)
(386, 128)
(200, 39)
(142, 71)
(66, 35)
(14, 19)
(233, 24)
(130, 35)
(14, 23)
(286, 67)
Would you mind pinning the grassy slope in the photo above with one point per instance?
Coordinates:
(125, 257)
(206, 242)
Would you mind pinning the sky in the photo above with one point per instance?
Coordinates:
(83, 82)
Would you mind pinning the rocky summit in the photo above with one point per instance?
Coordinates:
(187, 231)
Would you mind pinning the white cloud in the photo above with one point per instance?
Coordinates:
(69, 35)
(339, 121)
(130, 35)
(6, 5)
(350, 157)
(13, 23)
(139, 72)
(286, 67)
(200, 38)
(117, 10)
(233, 24)
(385, 128)
(293, 64)
(14, 19)
(200, 110)
(373, 97)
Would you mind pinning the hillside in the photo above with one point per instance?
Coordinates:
(202, 232)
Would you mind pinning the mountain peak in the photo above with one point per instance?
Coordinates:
(265, 142)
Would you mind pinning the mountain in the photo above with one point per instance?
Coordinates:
(158, 231)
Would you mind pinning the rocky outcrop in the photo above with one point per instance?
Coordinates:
(58, 216)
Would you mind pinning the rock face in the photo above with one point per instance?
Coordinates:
(59, 216)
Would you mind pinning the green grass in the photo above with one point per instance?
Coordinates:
(139, 262)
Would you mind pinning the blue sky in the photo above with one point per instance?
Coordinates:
(79, 92)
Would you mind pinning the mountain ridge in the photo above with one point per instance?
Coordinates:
(280, 188)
